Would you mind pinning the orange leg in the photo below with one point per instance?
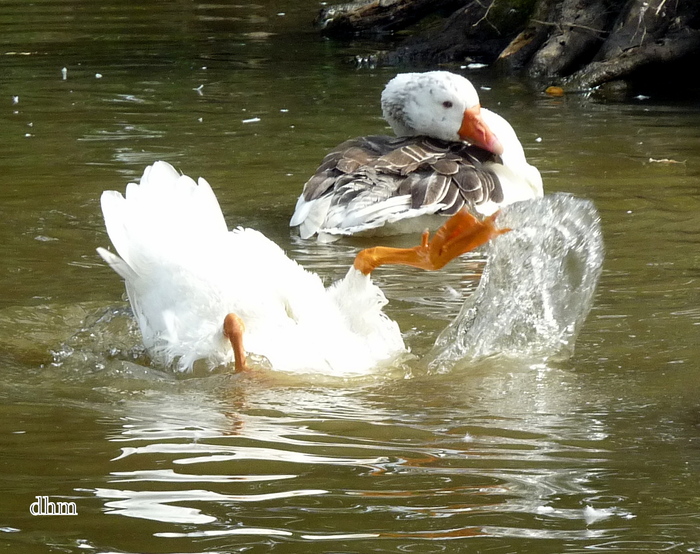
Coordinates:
(233, 331)
(461, 233)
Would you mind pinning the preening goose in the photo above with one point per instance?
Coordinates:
(448, 152)
(202, 292)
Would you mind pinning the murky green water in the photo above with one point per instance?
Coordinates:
(599, 454)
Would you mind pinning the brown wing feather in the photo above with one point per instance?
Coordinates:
(429, 189)
(405, 159)
(477, 184)
(445, 166)
(452, 200)
(430, 171)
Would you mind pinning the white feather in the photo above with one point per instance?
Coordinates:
(184, 272)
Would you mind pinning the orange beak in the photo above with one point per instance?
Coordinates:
(476, 132)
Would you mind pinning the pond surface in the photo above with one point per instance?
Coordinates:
(600, 453)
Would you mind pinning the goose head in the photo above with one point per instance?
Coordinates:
(437, 104)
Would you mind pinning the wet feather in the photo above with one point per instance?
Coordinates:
(375, 169)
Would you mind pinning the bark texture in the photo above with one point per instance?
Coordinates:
(575, 44)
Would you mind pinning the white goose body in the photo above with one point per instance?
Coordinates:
(448, 152)
(184, 271)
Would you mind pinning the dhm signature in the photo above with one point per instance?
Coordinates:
(43, 506)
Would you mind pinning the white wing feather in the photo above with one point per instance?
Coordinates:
(184, 271)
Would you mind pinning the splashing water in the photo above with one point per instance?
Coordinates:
(537, 287)
(533, 297)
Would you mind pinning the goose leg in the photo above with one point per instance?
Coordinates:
(461, 233)
(233, 331)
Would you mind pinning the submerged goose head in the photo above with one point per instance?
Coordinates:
(437, 104)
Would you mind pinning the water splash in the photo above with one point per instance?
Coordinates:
(537, 287)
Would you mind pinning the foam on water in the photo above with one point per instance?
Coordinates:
(537, 287)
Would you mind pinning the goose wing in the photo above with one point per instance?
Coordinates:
(371, 181)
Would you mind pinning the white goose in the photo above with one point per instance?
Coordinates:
(202, 292)
(378, 184)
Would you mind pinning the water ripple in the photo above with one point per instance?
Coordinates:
(156, 505)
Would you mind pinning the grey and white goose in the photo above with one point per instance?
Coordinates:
(448, 152)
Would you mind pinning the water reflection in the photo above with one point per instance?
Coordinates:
(156, 505)
(528, 450)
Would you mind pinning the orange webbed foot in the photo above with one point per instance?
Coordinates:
(460, 234)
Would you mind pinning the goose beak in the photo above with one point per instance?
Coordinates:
(475, 131)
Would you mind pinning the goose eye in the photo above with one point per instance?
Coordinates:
(447, 104)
